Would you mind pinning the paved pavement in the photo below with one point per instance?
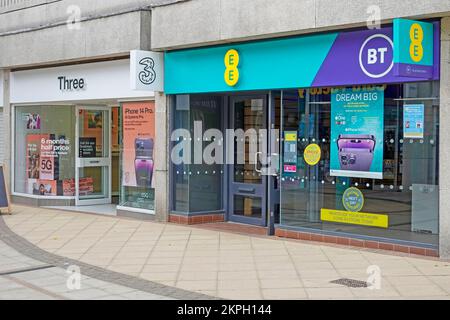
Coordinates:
(189, 262)
(23, 278)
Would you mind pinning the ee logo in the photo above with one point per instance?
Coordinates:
(416, 48)
(231, 72)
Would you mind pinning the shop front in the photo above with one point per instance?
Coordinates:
(331, 137)
(83, 138)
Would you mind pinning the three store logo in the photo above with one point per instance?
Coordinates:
(148, 75)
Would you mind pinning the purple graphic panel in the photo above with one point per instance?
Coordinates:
(366, 57)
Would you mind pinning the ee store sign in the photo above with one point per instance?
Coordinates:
(376, 56)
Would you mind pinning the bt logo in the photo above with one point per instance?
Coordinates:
(231, 75)
(416, 49)
(376, 57)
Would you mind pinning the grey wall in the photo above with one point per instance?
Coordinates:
(201, 22)
(36, 35)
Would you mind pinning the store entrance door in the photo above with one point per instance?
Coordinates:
(247, 184)
(93, 165)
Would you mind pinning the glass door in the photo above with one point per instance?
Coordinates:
(93, 165)
(247, 184)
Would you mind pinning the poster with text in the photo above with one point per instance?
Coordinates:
(357, 133)
(138, 144)
(413, 121)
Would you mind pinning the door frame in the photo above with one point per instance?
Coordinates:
(87, 162)
(244, 189)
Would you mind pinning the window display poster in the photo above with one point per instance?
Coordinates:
(33, 121)
(357, 133)
(413, 121)
(33, 155)
(93, 127)
(43, 187)
(47, 159)
(138, 144)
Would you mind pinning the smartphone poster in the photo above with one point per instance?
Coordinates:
(357, 132)
(413, 121)
(138, 144)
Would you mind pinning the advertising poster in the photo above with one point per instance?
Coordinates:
(33, 121)
(290, 152)
(69, 187)
(138, 143)
(357, 133)
(93, 128)
(33, 155)
(43, 187)
(47, 161)
(413, 121)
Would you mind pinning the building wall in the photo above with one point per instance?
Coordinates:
(444, 150)
(35, 32)
(206, 22)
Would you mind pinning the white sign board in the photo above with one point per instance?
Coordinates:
(147, 70)
(91, 81)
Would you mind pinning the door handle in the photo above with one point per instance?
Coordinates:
(256, 161)
(247, 190)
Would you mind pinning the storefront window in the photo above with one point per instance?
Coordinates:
(362, 160)
(137, 155)
(197, 185)
(44, 150)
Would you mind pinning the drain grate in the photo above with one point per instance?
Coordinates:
(351, 283)
(25, 270)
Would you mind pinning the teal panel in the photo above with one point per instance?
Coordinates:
(264, 65)
(403, 41)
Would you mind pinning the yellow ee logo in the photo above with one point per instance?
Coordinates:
(231, 72)
(416, 48)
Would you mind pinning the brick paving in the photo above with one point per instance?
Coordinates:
(196, 262)
(17, 253)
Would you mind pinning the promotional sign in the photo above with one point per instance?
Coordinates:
(324, 60)
(42, 187)
(357, 133)
(33, 121)
(413, 121)
(146, 70)
(138, 143)
(290, 151)
(414, 48)
(358, 218)
(353, 200)
(47, 158)
(4, 192)
(312, 154)
(87, 147)
(33, 157)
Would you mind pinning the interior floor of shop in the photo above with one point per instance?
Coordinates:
(103, 209)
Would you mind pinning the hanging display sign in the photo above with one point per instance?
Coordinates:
(146, 70)
(414, 48)
(138, 143)
(413, 121)
(357, 133)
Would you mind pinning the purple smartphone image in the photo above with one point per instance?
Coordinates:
(356, 152)
(144, 162)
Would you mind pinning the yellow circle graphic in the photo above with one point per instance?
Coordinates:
(312, 154)
(231, 60)
(416, 48)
